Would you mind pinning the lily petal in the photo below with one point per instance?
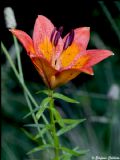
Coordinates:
(57, 50)
(43, 29)
(63, 77)
(82, 36)
(25, 39)
(68, 55)
(96, 55)
(41, 36)
(44, 69)
(87, 70)
(80, 61)
(59, 60)
(79, 44)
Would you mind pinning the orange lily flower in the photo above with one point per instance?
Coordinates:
(59, 60)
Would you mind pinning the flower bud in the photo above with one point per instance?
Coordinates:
(9, 18)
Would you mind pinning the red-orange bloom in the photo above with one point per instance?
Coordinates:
(59, 60)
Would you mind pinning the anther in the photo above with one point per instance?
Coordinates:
(69, 40)
(58, 35)
(52, 34)
(60, 29)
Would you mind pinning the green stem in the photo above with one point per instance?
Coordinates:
(25, 94)
(53, 128)
(18, 58)
(26, 91)
(22, 80)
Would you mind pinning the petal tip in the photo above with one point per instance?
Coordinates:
(39, 15)
(88, 28)
(11, 30)
(112, 54)
(92, 74)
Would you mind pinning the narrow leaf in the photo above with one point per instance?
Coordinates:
(47, 92)
(43, 106)
(43, 131)
(35, 125)
(30, 113)
(73, 152)
(65, 98)
(71, 121)
(42, 147)
(58, 117)
(29, 135)
(66, 156)
(69, 127)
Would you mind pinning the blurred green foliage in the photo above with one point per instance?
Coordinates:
(100, 133)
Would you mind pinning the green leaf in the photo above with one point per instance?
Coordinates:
(71, 121)
(30, 113)
(67, 128)
(29, 135)
(73, 152)
(66, 156)
(47, 92)
(43, 106)
(42, 147)
(65, 98)
(43, 131)
(35, 125)
(58, 117)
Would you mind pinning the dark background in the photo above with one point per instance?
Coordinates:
(100, 133)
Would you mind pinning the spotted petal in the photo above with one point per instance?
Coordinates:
(96, 55)
(63, 77)
(87, 70)
(44, 69)
(85, 60)
(41, 37)
(68, 55)
(82, 36)
(79, 44)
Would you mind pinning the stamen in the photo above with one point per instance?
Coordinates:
(58, 35)
(52, 34)
(60, 29)
(69, 40)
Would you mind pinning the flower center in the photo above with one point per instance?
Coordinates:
(68, 48)
(55, 36)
